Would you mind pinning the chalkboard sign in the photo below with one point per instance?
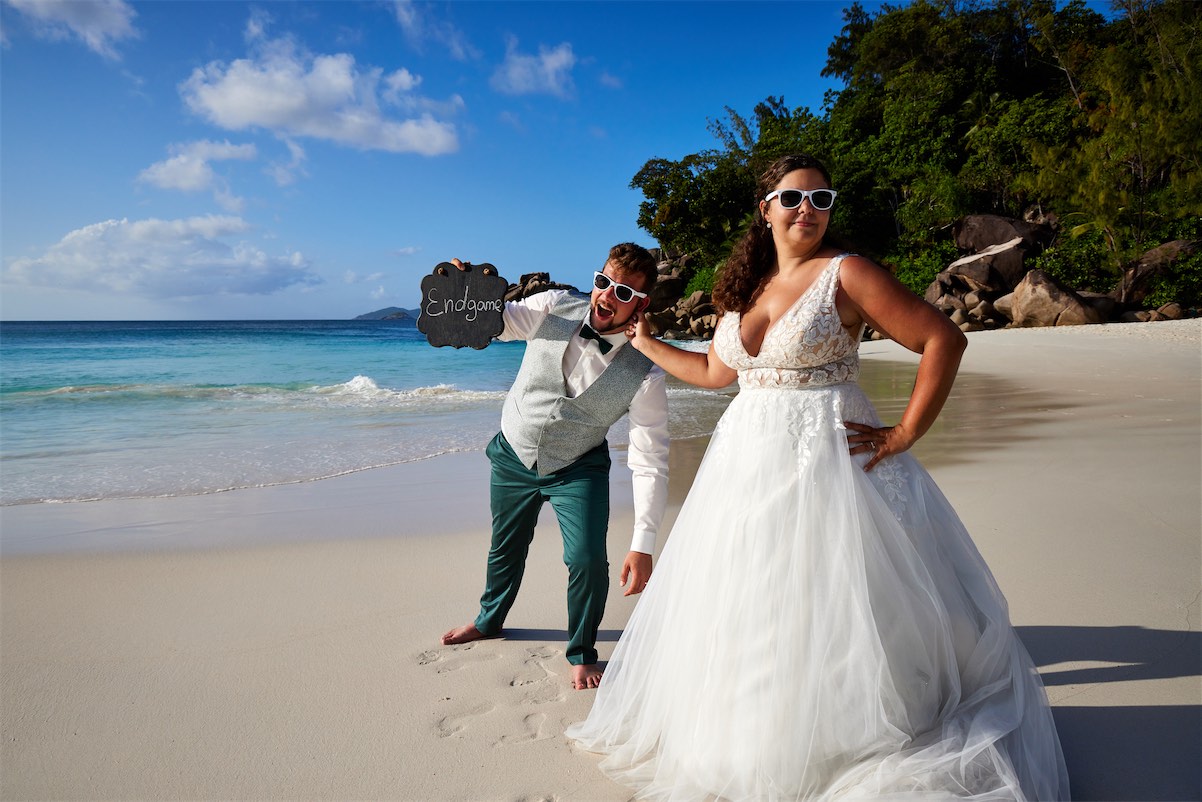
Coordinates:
(462, 308)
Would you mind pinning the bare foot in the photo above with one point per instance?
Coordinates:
(464, 634)
(584, 677)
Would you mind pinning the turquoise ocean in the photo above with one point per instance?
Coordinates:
(96, 410)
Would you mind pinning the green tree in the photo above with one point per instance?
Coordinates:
(693, 205)
(773, 131)
(921, 81)
(951, 107)
(1130, 167)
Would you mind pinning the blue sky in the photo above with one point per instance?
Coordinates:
(229, 160)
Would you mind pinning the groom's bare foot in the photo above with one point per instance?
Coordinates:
(464, 634)
(584, 677)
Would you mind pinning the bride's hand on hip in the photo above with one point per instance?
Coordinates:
(880, 442)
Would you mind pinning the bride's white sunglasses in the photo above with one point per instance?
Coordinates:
(820, 199)
(621, 291)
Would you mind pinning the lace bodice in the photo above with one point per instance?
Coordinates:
(807, 347)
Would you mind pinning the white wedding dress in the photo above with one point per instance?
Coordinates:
(813, 631)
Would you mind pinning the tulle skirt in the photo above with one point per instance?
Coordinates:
(812, 631)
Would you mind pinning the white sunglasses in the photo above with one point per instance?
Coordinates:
(621, 291)
(820, 199)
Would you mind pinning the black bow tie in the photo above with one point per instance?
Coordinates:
(588, 333)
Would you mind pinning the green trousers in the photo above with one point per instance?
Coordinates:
(579, 494)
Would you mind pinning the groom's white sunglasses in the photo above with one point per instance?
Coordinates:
(621, 291)
(820, 199)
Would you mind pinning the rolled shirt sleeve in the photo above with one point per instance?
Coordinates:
(648, 459)
(522, 318)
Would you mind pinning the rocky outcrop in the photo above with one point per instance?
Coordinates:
(1170, 311)
(673, 315)
(993, 286)
(994, 269)
(1040, 300)
(533, 283)
(973, 290)
(977, 232)
(965, 289)
(1136, 281)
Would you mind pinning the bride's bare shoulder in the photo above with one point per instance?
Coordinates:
(857, 271)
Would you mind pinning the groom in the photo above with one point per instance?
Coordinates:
(578, 377)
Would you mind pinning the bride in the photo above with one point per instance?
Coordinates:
(820, 625)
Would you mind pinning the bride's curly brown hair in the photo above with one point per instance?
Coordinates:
(754, 257)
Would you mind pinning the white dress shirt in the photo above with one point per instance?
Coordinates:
(583, 362)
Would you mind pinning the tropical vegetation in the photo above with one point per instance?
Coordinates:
(955, 107)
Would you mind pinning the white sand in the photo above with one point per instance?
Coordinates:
(282, 642)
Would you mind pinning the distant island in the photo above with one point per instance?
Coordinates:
(391, 313)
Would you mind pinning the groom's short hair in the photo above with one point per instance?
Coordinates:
(631, 258)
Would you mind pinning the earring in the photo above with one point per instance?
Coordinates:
(769, 224)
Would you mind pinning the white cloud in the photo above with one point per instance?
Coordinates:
(550, 72)
(419, 28)
(351, 277)
(286, 174)
(512, 120)
(227, 200)
(444, 108)
(378, 292)
(323, 97)
(408, 250)
(399, 91)
(610, 81)
(99, 24)
(400, 81)
(189, 170)
(184, 258)
(256, 25)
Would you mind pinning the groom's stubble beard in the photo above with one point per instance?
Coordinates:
(616, 325)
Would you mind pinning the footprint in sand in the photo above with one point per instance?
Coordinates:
(455, 658)
(538, 683)
(534, 727)
(533, 671)
(455, 725)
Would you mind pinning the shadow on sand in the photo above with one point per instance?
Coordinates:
(1125, 752)
(1128, 753)
(553, 635)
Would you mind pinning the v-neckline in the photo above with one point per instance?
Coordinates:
(772, 326)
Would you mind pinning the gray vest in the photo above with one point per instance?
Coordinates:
(548, 430)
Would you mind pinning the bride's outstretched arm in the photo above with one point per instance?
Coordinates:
(703, 370)
(881, 301)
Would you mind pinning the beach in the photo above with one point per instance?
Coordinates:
(282, 642)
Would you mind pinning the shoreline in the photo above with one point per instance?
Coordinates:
(295, 655)
(134, 523)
